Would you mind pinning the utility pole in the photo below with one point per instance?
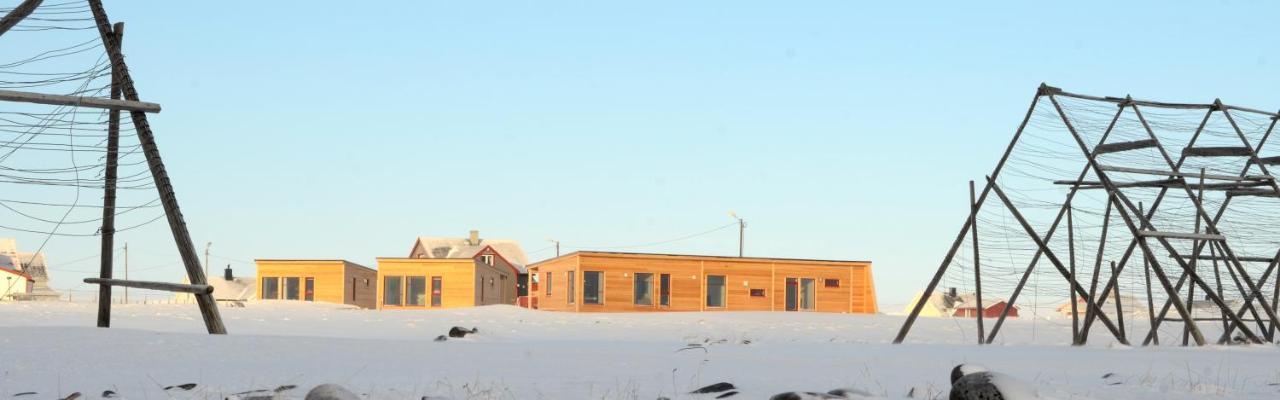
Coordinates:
(206, 258)
(557, 242)
(742, 227)
(126, 271)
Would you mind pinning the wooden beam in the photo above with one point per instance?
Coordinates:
(1230, 151)
(107, 254)
(165, 286)
(18, 14)
(1113, 168)
(78, 101)
(1252, 192)
(1180, 235)
(1242, 259)
(1123, 146)
(1268, 160)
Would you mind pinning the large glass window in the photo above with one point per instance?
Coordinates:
(715, 291)
(270, 288)
(807, 289)
(664, 290)
(309, 290)
(643, 288)
(572, 293)
(436, 288)
(417, 291)
(592, 287)
(291, 288)
(391, 290)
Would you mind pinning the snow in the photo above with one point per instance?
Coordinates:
(53, 349)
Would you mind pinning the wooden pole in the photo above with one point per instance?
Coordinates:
(977, 262)
(1119, 309)
(1146, 275)
(18, 14)
(109, 197)
(79, 101)
(165, 286)
(178, 226)
(1097, 271)
(1071, 254)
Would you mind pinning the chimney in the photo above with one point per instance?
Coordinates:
(951, 292)
(226, 274)
(474, 240)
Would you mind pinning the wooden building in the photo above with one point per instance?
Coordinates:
(626, 282)
(423, 283)
(501, 253)
(331, 281)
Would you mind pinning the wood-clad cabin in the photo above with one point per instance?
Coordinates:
(502, 253)
(593, 281)
(331, 281)
(423, 283)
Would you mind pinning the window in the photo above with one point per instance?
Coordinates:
(664, 290)
(436, 287)
(549, 276)
(353, 289)
(309, 290)
(291, 288)
(643, 288)
(715, 291)
(270, 288)
(487, 259)
(592, 287)
(572, 293)
(416, 291)
(833, 283)
(391, 290)
(757, 292)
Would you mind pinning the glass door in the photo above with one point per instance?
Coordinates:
(807, 286)
(793, 289)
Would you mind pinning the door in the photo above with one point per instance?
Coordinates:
(309, 290)
(793, 290)
(664, 290)
(807, 289)
(435, 291)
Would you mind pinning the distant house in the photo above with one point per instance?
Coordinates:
(330, 281)
(226, 288)
(952, 304)
(1129, 304)
(13, 283)
(33, 266)
(424, 283)
(499, 253)
(967, 306)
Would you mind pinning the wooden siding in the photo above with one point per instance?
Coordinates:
(333, 279)
(362, 286)
(461, 281)
(853, 290)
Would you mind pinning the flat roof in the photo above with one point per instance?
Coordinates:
(700, 257)
(312, 260)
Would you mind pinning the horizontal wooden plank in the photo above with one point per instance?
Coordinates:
(1124, 146)
(1236, 151)
(165, 286)
(1221, 258)
(1181, 235)
(1268, 160)
(1145, 171)
(78, 101)
(1253, 192)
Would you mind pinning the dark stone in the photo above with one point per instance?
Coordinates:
(715, 388)
(975, 386)
(441, 338)
(805, 396)
(185, 386)
(73, 396)
(108, 394)
(727, 394)
(458, 332)
(284, 388)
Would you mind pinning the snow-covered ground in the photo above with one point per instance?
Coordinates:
(54, 350)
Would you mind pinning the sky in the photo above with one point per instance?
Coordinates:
(837, 130)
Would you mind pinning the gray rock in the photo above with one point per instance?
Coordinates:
(331, 391)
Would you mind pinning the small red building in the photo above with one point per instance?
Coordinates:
(992, 310)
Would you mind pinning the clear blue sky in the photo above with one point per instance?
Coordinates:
(839, 130)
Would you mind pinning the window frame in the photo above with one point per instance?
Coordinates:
(309, 289)
(297, 288)
(572, 293)
(664, 290)
(399, 298)
(723, 292)
(599, 292)
(274, 287)
(636, 292)
(409, 300)
(437, 291)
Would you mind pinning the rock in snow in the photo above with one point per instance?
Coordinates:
(331, 391)
(972, 382)
(715, 388)
(844, 393)
(458, 332)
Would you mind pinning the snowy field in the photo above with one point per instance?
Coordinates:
(54, 350)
